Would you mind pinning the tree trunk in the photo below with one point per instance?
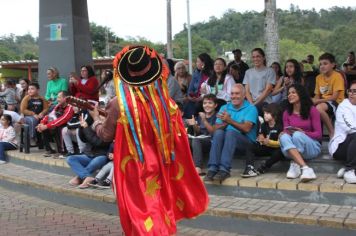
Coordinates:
(271, 32)
(169, 30)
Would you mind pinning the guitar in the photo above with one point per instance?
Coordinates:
(83, 104)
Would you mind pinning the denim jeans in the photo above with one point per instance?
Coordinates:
(223, 149)
(84, 166)
(107, 170)
(32, 123)
(199, 146)
(306, 146)
(4, 146)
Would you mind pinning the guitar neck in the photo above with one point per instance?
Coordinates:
(80, 103)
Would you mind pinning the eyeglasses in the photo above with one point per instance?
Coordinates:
(352, 91)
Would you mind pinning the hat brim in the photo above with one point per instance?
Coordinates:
(151, 75)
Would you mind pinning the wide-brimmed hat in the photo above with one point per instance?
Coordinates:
(139, 66)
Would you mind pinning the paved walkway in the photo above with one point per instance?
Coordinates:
(24, 215)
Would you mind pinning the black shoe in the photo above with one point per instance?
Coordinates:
(250, 171)
(262, 169)
(222, 175)
(210, 175)
(104, 184)
(94, 182)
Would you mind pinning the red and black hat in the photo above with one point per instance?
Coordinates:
(139, 66)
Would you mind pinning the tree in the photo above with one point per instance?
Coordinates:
(271, 32)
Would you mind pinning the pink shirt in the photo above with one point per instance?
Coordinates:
(311, 126)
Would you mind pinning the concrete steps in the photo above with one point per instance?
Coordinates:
(326, 205)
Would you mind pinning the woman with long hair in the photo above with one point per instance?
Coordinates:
(277, 97)
(204, 69)
(301, 136)
(219, 83)
(85, 87)
(292, 75)
(259, 80)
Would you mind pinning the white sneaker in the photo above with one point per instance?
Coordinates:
(294, 170)
(2, 162)
(350, 177)
(341, 172)
(307, 174)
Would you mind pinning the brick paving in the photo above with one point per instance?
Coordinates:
(24, 215)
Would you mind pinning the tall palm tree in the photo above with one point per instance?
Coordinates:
(271, 32)
(169, 30)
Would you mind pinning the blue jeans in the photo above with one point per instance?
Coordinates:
(4, 146)
(223, 149)
(306, 146)
(32, 123)
(83, 165)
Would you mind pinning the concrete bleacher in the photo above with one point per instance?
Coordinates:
(266, 202)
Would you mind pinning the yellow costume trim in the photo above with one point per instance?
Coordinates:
(137, 121)
(148, 224)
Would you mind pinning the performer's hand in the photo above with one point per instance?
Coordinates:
(94, 113)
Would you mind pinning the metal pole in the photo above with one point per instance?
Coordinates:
(189, 40)
(169, 30)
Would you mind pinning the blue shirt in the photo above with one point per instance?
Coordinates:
(247, 112)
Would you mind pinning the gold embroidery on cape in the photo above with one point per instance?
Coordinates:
(167, 220)
(152, 186)
(124, 162)
(148, 224)
(180, 172)
(180, 204)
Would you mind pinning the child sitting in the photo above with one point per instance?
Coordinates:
(7, 137)
(100, 181)
(268, 143)
(203, 129)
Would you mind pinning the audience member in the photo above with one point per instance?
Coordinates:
(183, 77)
(103, 178)
(52, 124)
(85, 87)
(34, 107)
(259, 81)
(329, 90)
(343, 144)
(277, 96)
(24, 83)
(109, 86)
(242, 66)
(9, 95)
(7, 137)
(219, 83)
(234, 71)
(204, 68)
(293, 75)
(203, 130)
(84, 165)
(301, 136)
(55, 84)
(70, 133)
(267, 140)
(234, 128)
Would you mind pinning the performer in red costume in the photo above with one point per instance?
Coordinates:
(154, 177)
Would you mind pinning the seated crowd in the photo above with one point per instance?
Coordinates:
(229, 109)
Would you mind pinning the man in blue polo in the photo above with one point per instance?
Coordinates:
(235, 128)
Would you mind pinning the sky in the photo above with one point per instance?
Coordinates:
(145, 18)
